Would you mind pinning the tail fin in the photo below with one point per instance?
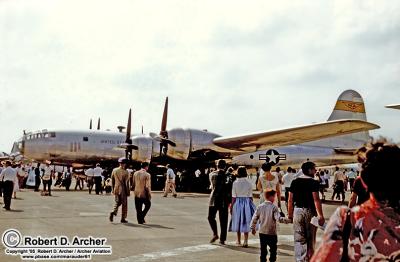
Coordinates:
(349, 105)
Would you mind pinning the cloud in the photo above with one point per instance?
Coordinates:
(229, 67)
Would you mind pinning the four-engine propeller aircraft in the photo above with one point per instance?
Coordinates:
(190, 146)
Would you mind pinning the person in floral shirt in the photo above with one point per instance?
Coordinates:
(371, 231)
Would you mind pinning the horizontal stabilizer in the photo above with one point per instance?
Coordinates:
(396, 106)
(346, 151)
(294, 135)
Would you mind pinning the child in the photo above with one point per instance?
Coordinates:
(108, 186)
(267, 214)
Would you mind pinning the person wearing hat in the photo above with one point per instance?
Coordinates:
(120, 189)
(169, 182)
(8, 176)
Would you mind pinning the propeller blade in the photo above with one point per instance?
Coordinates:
(127, 146)
(128, 140)
(164, 140)
(90, 125)
(163, 131)
(98, 124)
(169, 142)
(128, 127)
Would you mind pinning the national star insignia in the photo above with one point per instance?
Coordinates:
(272, 157)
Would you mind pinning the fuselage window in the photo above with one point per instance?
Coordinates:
(85, 138)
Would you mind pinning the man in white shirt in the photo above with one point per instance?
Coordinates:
(351, 175)
(8, 176)
(89, 179)
(97, 174)
(170, 182)
(47, 178)
(338, 180)
(287, 181)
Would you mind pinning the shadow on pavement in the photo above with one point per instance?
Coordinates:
(146, 225)
(249, 250)
(15, 210)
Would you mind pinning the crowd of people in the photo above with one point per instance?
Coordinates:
(367, 230)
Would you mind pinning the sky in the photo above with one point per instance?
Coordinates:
(230, 67)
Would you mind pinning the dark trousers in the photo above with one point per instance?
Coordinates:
(287, 194)
(351, 182)
(79, 183)
(121, 199)
(48, 183)
(8, 187)
(67, 183)
(37, 183)
(339, 189)
(271, 241)
(223, 220)
(97, 181)
(90, 183)
(140, 212)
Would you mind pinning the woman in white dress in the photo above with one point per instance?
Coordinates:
(16, 187)
(269, 181)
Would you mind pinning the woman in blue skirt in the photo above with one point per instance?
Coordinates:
(242, 208)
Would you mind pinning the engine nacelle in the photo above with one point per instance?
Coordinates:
(182, 139)
(145, 145)
(202, 140)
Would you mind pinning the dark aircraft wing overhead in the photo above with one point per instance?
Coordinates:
(294, 135)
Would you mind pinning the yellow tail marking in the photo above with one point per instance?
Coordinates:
(355, 107)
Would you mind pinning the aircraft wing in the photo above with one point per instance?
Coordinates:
(294, 135)
(396, 106)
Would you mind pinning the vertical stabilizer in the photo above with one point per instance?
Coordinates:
(349, 105)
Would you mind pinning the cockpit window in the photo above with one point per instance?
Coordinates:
(85, 138)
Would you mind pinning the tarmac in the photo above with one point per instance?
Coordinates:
(177, 229)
